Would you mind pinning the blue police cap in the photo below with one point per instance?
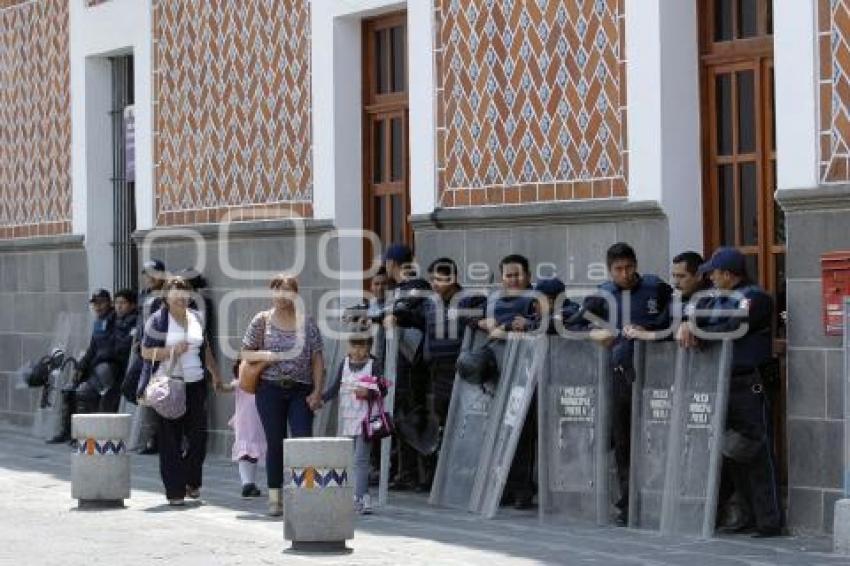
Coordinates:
(155, 267)
(100, 295)
(398, 253)
(725, 259)
(551, 287)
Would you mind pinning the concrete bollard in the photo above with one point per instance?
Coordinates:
(318, 495)
(100, 464)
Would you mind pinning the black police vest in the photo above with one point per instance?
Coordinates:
(645, 310)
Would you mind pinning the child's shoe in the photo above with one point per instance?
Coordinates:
(250, 490)
(363, 505)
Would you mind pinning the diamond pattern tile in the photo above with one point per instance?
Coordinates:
(35, 119)
(233, 104)
(834, 95)
(531, 93)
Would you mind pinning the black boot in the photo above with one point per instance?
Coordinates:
(67, 409)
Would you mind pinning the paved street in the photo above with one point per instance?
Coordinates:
(40, 525)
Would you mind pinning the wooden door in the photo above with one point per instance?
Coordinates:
(739, 153)
(386, 179)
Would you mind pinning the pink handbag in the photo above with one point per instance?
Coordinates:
(167, 395)
(379, 425)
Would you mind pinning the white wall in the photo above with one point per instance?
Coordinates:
(662, 53)
(338, 107)
(796, 76)
(113, 28)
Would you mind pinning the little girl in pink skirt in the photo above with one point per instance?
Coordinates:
(249, 445)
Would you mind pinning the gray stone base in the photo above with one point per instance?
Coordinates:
(337, 547)
(564, 239)
(815, 223)
(94, 504)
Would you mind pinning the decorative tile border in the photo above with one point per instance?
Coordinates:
(316, 478)
(95, 447)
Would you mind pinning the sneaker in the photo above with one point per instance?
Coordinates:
(193, 492)
(177, 502)
(366, 505)
(250, 490)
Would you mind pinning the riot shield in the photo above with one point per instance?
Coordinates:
(390, 374)
(325, 421)
(463, 435)
(652, 398)
(524, 360)
(71, 335)
(689, 504)
(574, 403)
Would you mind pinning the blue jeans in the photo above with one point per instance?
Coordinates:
(362, 461)
(277, 408)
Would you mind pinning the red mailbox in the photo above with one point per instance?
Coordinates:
(835, 279)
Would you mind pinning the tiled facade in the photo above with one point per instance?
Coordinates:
(35, 119)
(834, 95)
(232, 108)
(531, 101)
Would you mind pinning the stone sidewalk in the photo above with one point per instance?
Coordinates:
(40, 525)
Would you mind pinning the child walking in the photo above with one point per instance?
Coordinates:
(249, 444)
(358, 383)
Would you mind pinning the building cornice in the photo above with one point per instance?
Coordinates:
(568, 212)
(263, 228)
(824, 198)
(64, 241)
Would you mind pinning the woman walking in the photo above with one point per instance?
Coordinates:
(288, 343)
(175, 345)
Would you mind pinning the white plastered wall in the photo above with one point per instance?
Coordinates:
(113, 28)
(796, 86)
(338, 107)
(662, 53)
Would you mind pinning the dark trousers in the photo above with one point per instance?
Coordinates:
(621, 430)
(181, 467)
(755, 481)
(521, 475)
(279, 406)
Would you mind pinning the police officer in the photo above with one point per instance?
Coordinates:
(96, 371)
(648, 299)
(748, 438)
(408, 292)
(688, 282)
(126, 322)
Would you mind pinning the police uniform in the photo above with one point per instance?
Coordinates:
(411, 387)
(98, 366)
(96, 371)
(649, 309)
(748, 443)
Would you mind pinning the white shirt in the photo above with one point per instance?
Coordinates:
(189, 366)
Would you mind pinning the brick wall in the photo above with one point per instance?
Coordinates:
(232, 114)
(531, 101)
(35, 119)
